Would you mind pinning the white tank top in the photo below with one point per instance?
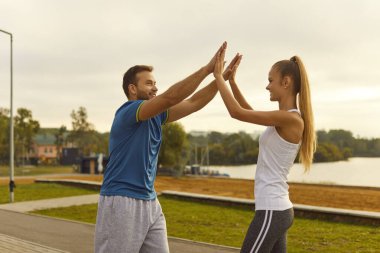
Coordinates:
(276, 157)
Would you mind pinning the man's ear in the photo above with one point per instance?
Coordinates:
(132, 89)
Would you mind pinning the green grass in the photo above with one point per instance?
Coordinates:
(26, 192)
(227, 226)
(36, 170)
(83, 213)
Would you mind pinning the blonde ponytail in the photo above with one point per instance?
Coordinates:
(309, 141)
(295, 69)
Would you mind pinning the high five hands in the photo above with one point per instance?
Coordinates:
(230, 72)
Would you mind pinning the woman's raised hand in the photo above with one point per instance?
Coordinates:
(231, 77)
(219, 63)
(227, 72)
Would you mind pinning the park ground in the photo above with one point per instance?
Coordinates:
(355, 198)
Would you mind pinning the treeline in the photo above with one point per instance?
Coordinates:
(242, 148)
(223, 149)
(83, 135)
(178, 147)
(340, 144)
(25, 128)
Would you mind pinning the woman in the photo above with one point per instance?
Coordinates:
(289, 130)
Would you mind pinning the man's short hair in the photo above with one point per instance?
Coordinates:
(130, 76)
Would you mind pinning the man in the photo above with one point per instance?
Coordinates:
(130, 218)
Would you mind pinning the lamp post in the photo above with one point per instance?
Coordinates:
(11, 133)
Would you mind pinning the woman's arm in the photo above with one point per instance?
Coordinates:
(232, 105)
(235, 89)
(200, 98)
(271, 118)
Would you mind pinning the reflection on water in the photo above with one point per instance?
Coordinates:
(357, 171)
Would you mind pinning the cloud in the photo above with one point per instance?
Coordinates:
(74, 53)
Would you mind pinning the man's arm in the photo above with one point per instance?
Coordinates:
(199, 99)
(177, 92)
(193, 104)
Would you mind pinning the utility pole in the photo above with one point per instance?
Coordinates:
(11, 128)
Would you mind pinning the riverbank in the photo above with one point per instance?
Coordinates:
(358, 171)
(346, 197)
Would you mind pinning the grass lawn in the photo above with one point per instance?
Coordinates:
(25, 192)
(36, 170)
(227, 226)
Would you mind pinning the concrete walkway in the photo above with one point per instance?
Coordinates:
(10, 244)
(28, 206)
(21, 232)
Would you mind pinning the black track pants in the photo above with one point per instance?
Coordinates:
(267, 232)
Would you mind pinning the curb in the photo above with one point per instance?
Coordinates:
(300, 210)
(305, 211)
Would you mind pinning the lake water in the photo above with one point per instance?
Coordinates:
(356, 171)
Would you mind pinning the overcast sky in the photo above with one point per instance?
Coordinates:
(74, 53)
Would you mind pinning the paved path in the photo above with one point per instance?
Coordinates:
(10, 244)
(28, 206)
(21, 232)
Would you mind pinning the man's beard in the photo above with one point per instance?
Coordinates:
(142, 96)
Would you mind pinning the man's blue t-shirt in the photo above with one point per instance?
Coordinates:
(133, 149)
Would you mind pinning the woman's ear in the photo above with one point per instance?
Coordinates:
(286, 81)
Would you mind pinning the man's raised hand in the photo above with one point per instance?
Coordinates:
(211, 65)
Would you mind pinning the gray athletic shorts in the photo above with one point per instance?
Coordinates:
(130, 225)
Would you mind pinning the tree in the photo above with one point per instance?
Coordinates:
(4, 135)
(322, 136)
(79, 120)
(217, 154)
(327, 152)
(60, 141)
(227, 149)
(341, 138)
(373, 147)
(343, 141)
(25, 129)
(104, 141)
(361, 147)
(173, 152)
(83, 131)
(215, 137)
(239, 148)
(234, 148)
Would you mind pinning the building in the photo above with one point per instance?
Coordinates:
(44, 149)
(70, 156)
